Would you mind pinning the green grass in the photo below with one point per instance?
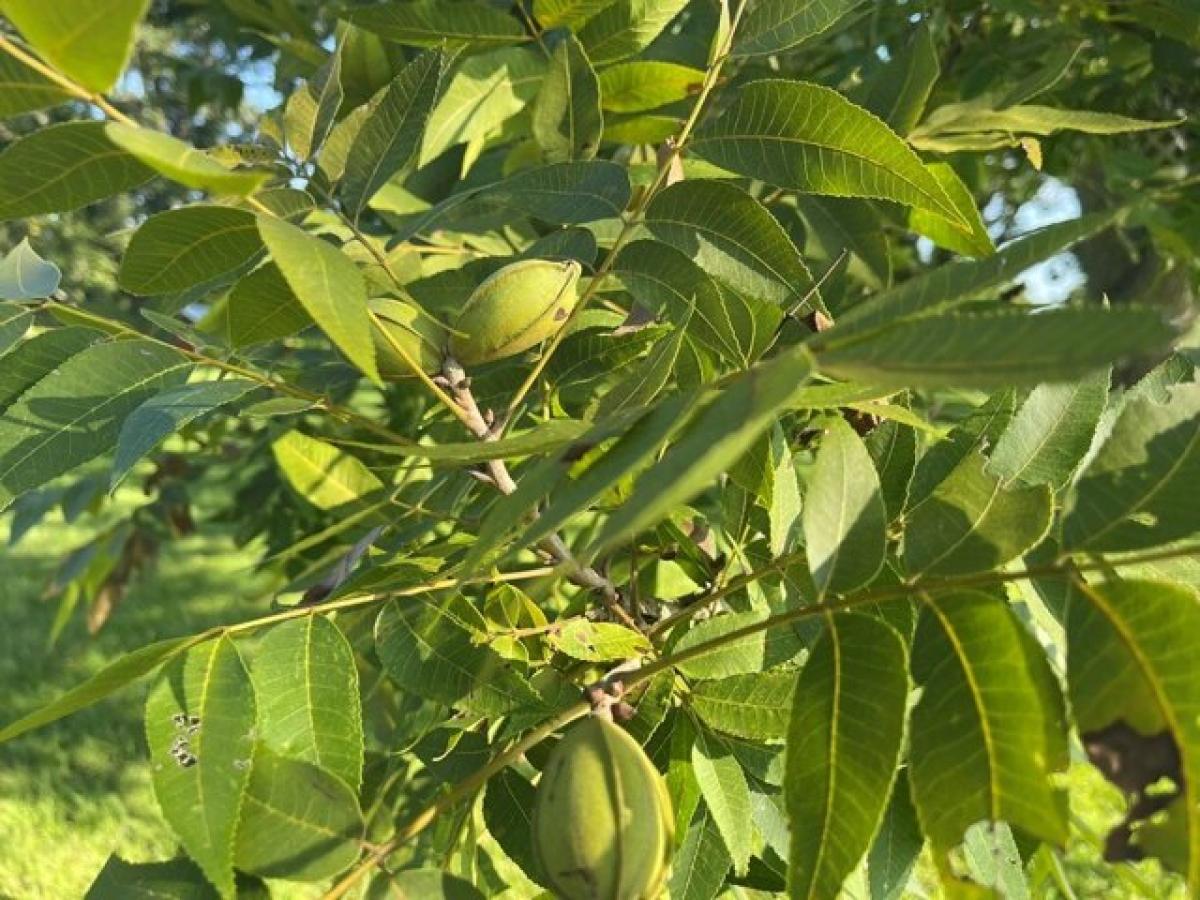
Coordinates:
(78, 790)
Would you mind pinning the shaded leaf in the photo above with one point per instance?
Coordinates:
(1139, 490)
(897, 845)
(14, 324)
(508, 812)
(298, 822)
(1131, 672)
(774, 25)
(844, 742)
(993, 349)
(432, 884)
(893, 449)
(621, 29)
(699, 868)
(840, 225)
(972, 522)
(391, 134)
(180, 879)
(752, 706)
(37, 357)
(723, 786)
(431, 23)
(572, 13)
(262, 307)
(757, 651)
(429, 653)
(74, 414)
(200, 724)
(23, 89)
(309, 707)
(1051, 432)
(898, 90)
(63, 167)
(844, 516)
(973, 240)
(163, 415)
(988, 732)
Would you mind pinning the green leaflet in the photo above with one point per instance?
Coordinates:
(64, 167)
(1131, 671)
(23, 90)
(723, 787)
(639, 85)
(312, 108)
(309, 707)
(33, 359)
(182, 248)
(164, 414)
(483, 93)
(297, 821)
(327, 477)
(1139, 490)
(74, 416)
(89, 40)
(430, 23)
(199, 725)
(759, 651)
(973, 522)
(261, 307)
(1051, 432)
(897, 845)
(893, 449)
(179, 879)
(713, 441)
(844, 516)
(25, 276)
(774, 25)
(989, 730)
(992, 349)
(428, 651)
(971, 241)
(898, 90)
(733, 238)
(14, 324)
(844, 742)
(752, 706)
(567, 121)
(621, 29)
(573, 13)
(698, 871)
(391, 134)
(182, 162)
(807, 137)
(328, 285)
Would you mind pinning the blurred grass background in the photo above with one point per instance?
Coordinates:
(76, 791)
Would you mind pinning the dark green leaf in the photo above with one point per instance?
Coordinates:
(508, 812)
(726, 794)
(758, 651)
(898, 91)
(805, 136)
(893, 449)
(75, 415)
(182, 248)
(731, 236)
(621, 29)
(14, 324)
(699, 868)
(844, 743)
(179, 879)
(993, 349)
(23, 90)
(897, 845)
(37, 357)
(161, 416)
(973, 522)
(431, 23)
(1139, 491)
(64, 167)
(753, 706)
(391, 134)
(988, 733)
(775, 25)
(298, 822)
(432, 884)
(261, 307)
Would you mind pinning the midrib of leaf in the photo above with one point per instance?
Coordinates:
(92, 411)
(976, 698)
(734, 351)
(83, 25)
(831, 784)
(1049, 434)
(200, 242)
(1179, 460)
(1187, 788)
(204, 688)
(996, 488)
(703, 229)
(295, 820)
(309, 695)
